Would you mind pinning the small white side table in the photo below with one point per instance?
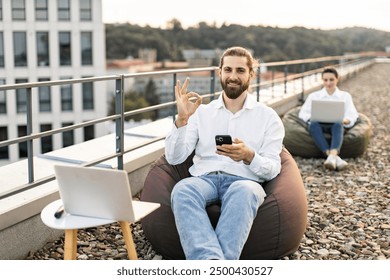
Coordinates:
(71, 223)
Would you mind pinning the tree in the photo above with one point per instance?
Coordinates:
(174, 24)
(269, 43)
(152, 97)
(132, 101)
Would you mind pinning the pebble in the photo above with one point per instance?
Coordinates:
(348, 211)
(334, 252)
(323, 252)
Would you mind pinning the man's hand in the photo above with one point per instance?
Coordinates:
(237, 151)
(185, 106)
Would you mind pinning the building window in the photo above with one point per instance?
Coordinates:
(18, 10)
(41, 10)
(1, 9)
(20, 49)
(21, 97)
(67, 97)
(88, 96)
(43, 49)
(63, 9)
(3, 102)
(47, 141)
(86, 48)
(65, 50)
(44, 97)
(1, 50)
(85, 10)
(4, 136)
(3, 99)
(22, 131)
(67, 136)
(89, 132)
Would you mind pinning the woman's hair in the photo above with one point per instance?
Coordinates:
(330, 70)
(240, 51)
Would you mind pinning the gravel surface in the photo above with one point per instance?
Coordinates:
(349, 211)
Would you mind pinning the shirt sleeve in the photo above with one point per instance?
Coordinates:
(350, 111)
(266, 163)
(305, 112)
(180, 142)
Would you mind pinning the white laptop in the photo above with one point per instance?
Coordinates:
(327, 111)
(99, 193)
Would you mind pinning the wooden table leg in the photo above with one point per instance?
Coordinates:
(70, 246)
(128, 237)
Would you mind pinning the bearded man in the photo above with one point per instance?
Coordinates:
(230, 174)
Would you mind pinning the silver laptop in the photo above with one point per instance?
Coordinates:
(99, 193)
(327, 111)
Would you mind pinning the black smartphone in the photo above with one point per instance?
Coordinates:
(223, 139)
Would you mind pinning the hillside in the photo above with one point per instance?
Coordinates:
(268, 43)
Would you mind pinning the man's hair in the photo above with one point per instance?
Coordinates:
(240, 51)
(330, 70)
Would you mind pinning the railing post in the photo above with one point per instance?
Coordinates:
(303, 82)
(174, 96)
(285, 78)
(258, 84)
(30, 151)
(212, 84)
(119, 122)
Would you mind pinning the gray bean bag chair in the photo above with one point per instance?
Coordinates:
(278, 227)
(299, 142)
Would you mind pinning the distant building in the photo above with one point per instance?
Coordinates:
(125, 66)
(148, 55)
(202, 58)
(51, 40)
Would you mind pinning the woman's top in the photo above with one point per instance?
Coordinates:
(350, 111)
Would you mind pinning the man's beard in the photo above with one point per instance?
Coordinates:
(234, 93)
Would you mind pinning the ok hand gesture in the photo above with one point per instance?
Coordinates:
(185, 106)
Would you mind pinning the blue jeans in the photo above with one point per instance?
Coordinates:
(239, 198)
(336, 130)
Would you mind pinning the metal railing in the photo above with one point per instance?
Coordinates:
(298, 73)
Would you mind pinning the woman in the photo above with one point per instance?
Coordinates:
(330, 91)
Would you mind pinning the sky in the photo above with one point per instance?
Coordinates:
(313, 14)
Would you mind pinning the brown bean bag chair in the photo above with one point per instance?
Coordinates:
(278, 227)
(300, 143)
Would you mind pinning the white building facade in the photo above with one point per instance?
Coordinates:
(49, 40)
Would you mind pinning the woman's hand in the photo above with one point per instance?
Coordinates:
(185, 106)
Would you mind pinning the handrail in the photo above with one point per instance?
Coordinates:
(120, 114)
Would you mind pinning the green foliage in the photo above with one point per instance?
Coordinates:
(268, 43)
(133, 101)
(152, 98)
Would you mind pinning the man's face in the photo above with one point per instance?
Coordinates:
(235, 76)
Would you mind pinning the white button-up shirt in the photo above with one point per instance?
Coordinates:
(257, 125)
(350, 111)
